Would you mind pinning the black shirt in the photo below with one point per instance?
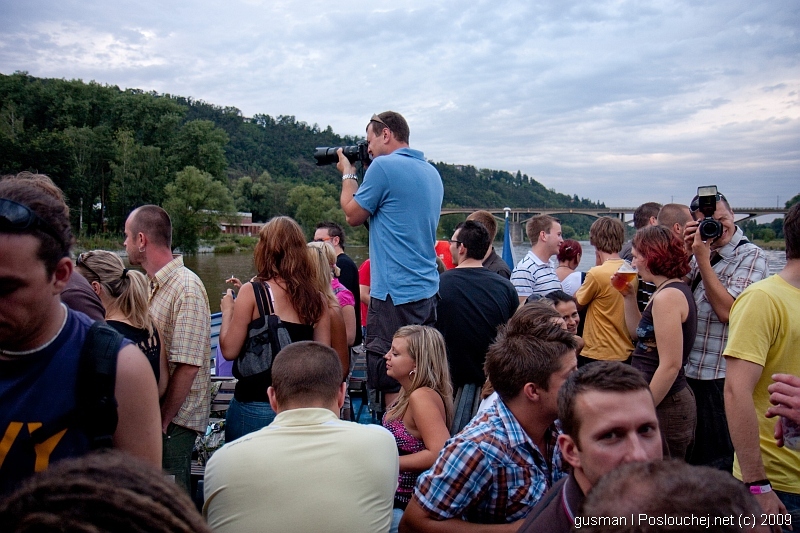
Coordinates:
(150, 345)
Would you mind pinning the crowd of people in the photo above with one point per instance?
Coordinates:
(605, 395)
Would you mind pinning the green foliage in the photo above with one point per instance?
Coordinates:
(201, 144)
(195, 201)
(261, 196)
(794, 199)
(312, 205)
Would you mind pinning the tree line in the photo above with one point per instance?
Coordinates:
(111, 150)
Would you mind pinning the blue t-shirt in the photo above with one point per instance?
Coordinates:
(37, 389)
(403, 194)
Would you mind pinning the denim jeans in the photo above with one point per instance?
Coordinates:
(245, 417)
(712, 441)
(792, 503)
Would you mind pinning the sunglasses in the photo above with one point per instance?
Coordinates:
(81, 261)
(18, 218)
(376, 118)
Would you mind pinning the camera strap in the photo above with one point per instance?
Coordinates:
(716, 258)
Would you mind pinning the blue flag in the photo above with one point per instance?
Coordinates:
(508, 254)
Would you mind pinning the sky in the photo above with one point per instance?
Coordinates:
(617, 101)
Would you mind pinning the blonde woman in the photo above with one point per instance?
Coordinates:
(124, 294)
(322, 282)
(420, 417)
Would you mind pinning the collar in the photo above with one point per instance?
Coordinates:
(409, 152)
(164, 274)
(304, 416)
(516, 435)
(571, 497)
(727, 250)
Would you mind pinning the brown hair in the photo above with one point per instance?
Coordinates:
(396, 124)
(488, 221)
(607, 235)
(603, 376)
(538, 224)
(281, 252)
(306, 372)
(672, 214)
(154, 222)
(643, 214)
(100, 492)
(791, 232)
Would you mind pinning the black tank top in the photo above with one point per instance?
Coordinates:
(150, 345)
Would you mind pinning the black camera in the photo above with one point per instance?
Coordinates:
(707, 197)
(326, 155)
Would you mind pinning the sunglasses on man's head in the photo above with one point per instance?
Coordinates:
(18, 218)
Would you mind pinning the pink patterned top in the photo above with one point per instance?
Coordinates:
(406, 445)
(344, 296)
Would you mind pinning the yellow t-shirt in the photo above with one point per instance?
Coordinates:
(763, 332)
(605, 332)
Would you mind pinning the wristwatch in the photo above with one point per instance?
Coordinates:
(349, 177)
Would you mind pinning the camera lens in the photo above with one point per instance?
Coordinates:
(709, 229)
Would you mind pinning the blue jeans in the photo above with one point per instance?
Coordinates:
(397, 514)
(245, 417)
(792, 503)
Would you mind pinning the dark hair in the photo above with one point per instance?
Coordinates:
(488, 221)
(306, 372)
(561, 296)
(100, 492)
(474, 236)
(672, 214)
(154, 222)
(662, 251)
(643, 213)
(396, 124)
(538, 224)
(281, 252)
(791, 232)
(531, 317)
(51, 211)
(521, 355)
(607, 234)
(569, 250)
(604, 376)
(334, 230)
(670, 488)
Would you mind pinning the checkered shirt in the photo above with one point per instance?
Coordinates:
(739, 267)
(179, 307)
(533, 276)
(491, 472)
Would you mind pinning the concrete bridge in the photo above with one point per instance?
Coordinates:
(518, 216)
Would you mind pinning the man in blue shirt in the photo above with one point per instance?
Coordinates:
(401, 197)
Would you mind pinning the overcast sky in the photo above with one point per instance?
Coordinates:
(613, 100)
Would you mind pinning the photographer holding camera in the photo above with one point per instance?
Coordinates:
(724, 264)
(401, 196)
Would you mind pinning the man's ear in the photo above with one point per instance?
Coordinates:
(61, 274)
(569, 450)
(273, 402)
(531, 392)
(340, 395)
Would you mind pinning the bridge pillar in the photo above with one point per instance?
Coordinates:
(516, 229)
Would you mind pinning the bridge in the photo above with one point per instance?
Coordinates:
(518, 216)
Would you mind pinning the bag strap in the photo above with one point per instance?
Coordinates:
(271, 300)
(714, 260)
(258, 291)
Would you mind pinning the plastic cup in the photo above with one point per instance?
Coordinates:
(625, 275)
(791, 434)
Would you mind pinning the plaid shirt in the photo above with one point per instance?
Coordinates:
(739, 267)
(491, 472)
(533, 276)
(179, 307)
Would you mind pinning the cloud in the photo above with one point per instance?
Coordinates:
(613, 100)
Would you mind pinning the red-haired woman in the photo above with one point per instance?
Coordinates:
(664, 333)
(569, 257)
(284, 267)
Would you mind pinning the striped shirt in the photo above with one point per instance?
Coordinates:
(739, 267)
(179, 307)
(533, 276)
(490, 473)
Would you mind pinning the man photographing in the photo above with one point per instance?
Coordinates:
(401, 196)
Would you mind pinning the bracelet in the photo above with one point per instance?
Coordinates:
(349, 177)
(762, 486)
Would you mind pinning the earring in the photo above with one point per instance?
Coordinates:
(411, 374)
(141, 249)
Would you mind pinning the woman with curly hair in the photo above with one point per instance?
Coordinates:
(569, 257)
(124, 294)
(664, 333)
(284, 270)
(420, 417)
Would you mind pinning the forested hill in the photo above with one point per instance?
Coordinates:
(111, 150)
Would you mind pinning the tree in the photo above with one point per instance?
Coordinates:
(196, 201)
(201, 144)
(311, 205)
(263, 197)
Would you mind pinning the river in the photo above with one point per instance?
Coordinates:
(214, 269)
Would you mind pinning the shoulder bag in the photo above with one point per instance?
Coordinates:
(266, 336)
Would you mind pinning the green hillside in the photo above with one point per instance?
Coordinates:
(111, 150)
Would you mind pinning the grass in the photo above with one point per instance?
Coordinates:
(100, 241)
(775, 244)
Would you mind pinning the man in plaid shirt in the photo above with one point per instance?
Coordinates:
(721, 269)
(179, 307)
(506, 458)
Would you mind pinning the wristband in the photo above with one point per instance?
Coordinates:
(761, 486)
(349, 177)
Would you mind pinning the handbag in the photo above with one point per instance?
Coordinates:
(266, 336)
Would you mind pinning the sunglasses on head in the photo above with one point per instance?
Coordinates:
(19, 218)
(81, 261)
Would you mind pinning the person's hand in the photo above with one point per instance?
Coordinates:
(344, 165)
(236, 282)
(700, 248)
(688, 235)
(771, 505)
(622, 286)
(227, 303)
(785, 397)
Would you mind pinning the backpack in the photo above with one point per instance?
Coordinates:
(96, 406)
